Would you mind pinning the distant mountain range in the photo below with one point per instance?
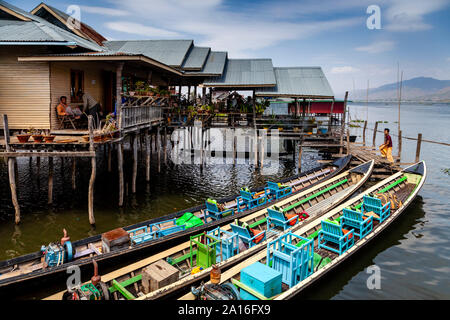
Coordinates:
(421, 89)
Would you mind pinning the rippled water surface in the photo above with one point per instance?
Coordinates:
(413, 253)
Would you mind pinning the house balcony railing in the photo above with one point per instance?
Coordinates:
(135, 116)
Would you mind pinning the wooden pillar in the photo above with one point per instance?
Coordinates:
(331, 116)
(348, 141)
(93, 172)
(134, 148)
(74, 173)
(120, 169)
(255, 144)
(179, 92)
(364, 133)
(375, 133)
(158, 148)
(165, 145)
(189, 95)
(399, 145)
(195, 95)
(210, 96)
(119, 69)
(148, 154)
(50, 180)
(343, 124)
(110, 147)
(419, 144)
(11, 172)
(300, 152)
(203, 95)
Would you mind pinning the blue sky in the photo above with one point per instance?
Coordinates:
(327, 33)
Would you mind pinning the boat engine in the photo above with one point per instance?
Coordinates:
(56, 254)
(208, 291)
(95, 290)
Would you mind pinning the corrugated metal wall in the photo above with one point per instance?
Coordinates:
(24, 91)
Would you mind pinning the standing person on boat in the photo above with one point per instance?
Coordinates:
(386, 147)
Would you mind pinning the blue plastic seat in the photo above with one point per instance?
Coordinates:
(333, 233)
(247, 201)
(228, 245)
(357, 221)
(276, 191)
(278, 219)
(375, 205)
(213, 212)
(246, 237)
(295, 263)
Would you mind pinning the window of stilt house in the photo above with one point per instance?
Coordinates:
(76, 85)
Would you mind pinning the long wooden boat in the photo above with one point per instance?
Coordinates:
(307, 205)
(314, 261)
(29, 271)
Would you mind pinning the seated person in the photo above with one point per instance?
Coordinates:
(64, 110)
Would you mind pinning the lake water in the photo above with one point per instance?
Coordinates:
(413, 255)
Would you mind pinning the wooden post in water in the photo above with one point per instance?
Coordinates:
(50, 180)
(300, 152)
(120, 169)
(74, 173)
(331, 117)
(375, 133)
(364, 132)
(399, 145)
(234, 147)
(110, 147)
(134, 146)
(165, 145)
(93, 171)
(419, 143)
(11, 172)
(262, 149)
(147, 158)
(343, 124)
(158, 147)
(255, 144)
(348, 141)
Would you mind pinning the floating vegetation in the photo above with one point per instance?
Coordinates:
(354, 126)
(446, 171)
(357, 120)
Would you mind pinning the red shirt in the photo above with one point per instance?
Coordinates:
(388, 141)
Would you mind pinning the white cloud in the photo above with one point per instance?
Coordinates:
(139, 29)
(236, 30)
(377, 47)
(408, 15)
(104, 11)
(344, 69)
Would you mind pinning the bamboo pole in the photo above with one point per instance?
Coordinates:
(255, 143)
(11, 172)
(419, 144)
(399, 145)
(93, 171)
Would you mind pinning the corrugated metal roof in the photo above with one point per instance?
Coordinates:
(38, 30)
(299, 82)
(214, 65)
(196, 58)
(169, 52)
(245, 73)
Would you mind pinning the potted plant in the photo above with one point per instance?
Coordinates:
(37, 136)
(23, 137)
